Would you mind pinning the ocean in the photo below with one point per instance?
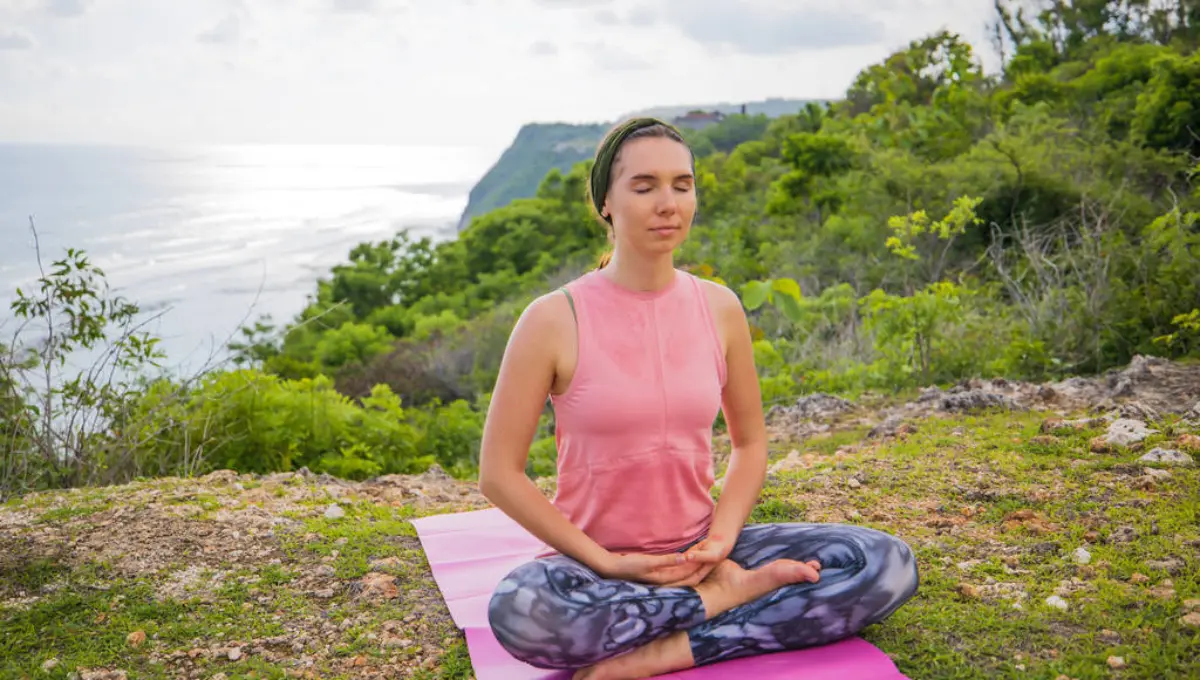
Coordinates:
(209, 238)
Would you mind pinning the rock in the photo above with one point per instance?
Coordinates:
(1191, 604)
(1123, 534)
(969, 591)
(1100, 445)
(1081, 556)
(1191, 620)
(234, 654)
(50, 664)
(334, 511)
(1171, 565)
(1125, 432)
(386, 563)
(976, 400)
(219, 477)
(1116, 663)
(810, 407)
(136, 638)
(1190, 442)
(1138, 578)
(323, 593)
(102, 674)
(1057, 602)
(1167, 457)
(853, 483)
(378, 586)
(1155, 473)
(1138, 411)
(889, 427)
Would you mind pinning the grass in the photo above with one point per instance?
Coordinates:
(993, 507)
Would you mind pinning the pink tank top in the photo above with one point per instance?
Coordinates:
(634, 428)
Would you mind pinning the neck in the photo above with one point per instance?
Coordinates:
(640, 272)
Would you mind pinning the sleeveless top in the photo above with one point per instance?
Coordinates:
(634, 428)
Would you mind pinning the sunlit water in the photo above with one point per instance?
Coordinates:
(211, 238)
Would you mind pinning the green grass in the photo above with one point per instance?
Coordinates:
(951, 489)
(85, 626)
(993, 466)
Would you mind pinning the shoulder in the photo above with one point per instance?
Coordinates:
(724, 303)
(545, 316)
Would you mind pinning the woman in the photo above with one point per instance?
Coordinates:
(646, 574)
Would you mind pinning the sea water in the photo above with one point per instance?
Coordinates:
(207, 239)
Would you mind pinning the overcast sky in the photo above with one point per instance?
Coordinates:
(404, 71)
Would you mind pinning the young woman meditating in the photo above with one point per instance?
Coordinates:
(645, 573)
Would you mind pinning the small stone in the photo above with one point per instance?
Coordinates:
(1167, 457)
(1191, 605)
(969, 591)
(1091, 536)
(1116, 663)
(49, 664)
(235, 654)
(1020, 667)
(334, 511)
(220, 676)
(1138, 578)
(1057, 602)
(136, 638)
(1192, 620)
(323, 593)
(1190, 442)
(1099, 445)
(853, 483)
(1081, 556)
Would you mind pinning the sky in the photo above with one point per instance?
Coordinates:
(465, 72)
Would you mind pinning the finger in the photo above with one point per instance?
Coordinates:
(810, 574)
(814, 564)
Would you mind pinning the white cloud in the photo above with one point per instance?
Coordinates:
(16, 39)
(444, 71)
(67, 8)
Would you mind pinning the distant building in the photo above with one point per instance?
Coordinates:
(696, 120)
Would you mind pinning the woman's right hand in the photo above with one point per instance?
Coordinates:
(649, 569)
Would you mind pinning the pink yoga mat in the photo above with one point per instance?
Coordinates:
(470, 552)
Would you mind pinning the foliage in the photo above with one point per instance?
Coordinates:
(937, 223)
(55, 414)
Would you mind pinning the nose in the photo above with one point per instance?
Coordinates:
(667, 203)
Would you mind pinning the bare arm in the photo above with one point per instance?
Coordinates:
(526, 377)
(742, 404)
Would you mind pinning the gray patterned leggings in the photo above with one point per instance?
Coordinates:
(556, 613)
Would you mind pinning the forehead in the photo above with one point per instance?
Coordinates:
(658, 156)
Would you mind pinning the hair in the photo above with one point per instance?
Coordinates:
(609, 152)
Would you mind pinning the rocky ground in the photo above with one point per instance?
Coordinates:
(1057, 528)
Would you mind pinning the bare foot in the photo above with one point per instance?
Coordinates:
(729, 585)
(726, 587)
(664, 655)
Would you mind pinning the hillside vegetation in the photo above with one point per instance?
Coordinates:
(935, 225)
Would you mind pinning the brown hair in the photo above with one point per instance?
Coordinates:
(609, 152)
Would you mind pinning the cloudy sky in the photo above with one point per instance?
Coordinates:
(405, 71)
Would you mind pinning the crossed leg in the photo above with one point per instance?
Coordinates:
(557, 613)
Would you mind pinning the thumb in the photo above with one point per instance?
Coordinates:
(705, 551)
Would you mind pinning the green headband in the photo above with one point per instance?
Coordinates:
(607, 153)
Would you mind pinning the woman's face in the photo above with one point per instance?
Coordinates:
(653, 195)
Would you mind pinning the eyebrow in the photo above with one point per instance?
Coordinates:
(647, 176)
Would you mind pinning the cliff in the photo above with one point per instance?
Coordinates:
(541, 147)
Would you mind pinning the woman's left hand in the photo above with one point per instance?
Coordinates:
(706, 554)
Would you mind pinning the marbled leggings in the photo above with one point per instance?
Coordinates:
(556, 613)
